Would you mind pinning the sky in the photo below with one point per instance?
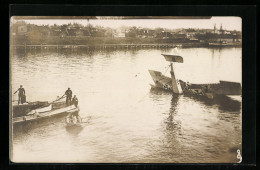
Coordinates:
(228, 23)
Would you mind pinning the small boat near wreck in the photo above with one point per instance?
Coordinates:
(40, 110)
(203, 91)
(37, 116)
(48, 110)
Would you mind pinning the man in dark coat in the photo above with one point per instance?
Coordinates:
(68, 94)
(75, 101)
(21, 94)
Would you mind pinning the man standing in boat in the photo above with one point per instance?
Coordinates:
(21, 95)
(68, 94)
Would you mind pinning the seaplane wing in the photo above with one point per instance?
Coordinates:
(160, 80)
(173, 58)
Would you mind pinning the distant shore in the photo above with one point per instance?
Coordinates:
(119, 46)
(75, 43)
(97, 41)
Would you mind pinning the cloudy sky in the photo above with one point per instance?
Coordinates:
(228, 23)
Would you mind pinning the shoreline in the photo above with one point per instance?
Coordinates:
(123, 46)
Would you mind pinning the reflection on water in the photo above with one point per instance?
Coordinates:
(127, 121)
(74, 130)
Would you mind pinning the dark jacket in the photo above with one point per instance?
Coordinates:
(75, 100)
(21, 91)
(68, 93)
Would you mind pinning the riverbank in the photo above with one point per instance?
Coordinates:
(104, 42)
(43, 47)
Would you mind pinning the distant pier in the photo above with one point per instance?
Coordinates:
(101, 46)
(29, 47)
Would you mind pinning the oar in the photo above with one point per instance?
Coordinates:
(53, 101)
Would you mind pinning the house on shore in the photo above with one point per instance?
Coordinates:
(19, 28)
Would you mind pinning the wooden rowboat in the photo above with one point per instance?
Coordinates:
(23, 109)
(47, 114)
(41, 110)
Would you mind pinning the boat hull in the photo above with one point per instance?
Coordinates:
(23, 109)
(20, 127)
(41, 110)
(25, 127)
(44, 115)
(211, 90)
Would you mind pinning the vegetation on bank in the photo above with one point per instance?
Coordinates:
(77, 34)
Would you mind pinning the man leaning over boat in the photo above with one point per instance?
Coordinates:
(74, 114)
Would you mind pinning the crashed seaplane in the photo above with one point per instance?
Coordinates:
(205, 91)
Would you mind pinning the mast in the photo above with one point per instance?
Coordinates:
(175, 84)
(175, 87)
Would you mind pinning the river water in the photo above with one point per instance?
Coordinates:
(127, 122)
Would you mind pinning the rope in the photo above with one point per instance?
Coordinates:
(166, 69)
(57, 99)
(143, 97)
(51, 102)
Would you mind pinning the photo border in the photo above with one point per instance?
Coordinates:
(248, 15)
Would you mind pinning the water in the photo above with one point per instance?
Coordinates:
(128, 122)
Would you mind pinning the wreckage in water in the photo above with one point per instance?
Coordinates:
(206, 91)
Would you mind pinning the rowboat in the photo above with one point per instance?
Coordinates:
(46, 114)
(40, 110)
(24, 109)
